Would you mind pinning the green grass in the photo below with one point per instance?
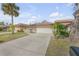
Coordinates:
(7, 37)
(58, 47)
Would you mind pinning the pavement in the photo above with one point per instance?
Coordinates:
(31, 45)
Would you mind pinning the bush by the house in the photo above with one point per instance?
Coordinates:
(1, 28)
(21, 30)
(60, 31)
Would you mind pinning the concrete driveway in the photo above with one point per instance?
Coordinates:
(31, 45)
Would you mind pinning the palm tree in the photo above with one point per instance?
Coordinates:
(12, 10)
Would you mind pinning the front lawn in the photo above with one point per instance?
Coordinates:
(58, 47)
(9, 36)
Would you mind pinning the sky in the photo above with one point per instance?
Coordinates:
(38, 12)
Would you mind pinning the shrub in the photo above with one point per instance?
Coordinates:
(20, 30)
(1, 28)
(60, 31)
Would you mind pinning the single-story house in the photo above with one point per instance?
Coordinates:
(4, 27)
(68, 23)
(43, 27)
(31, 28)
(20, 27)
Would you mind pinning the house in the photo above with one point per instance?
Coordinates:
(68, 23)
(31, 28)
(20, 27)
(65, 22)
(43, 27)
(4, 27)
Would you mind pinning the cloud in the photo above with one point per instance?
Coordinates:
(4, 18)
(61, 14)
(60, 18)
(25, 15)
(32, 20)
(33, 17)
(54, 14)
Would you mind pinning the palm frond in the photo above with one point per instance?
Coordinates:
(15, 13)
(10, 9)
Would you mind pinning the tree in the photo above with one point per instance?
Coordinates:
(60, 31)
(10, 28)
(75, 32)
(12, 10)
(1, 23)
(1, 26)
(76, 6)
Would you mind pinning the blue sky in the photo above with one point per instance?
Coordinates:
(38, 12)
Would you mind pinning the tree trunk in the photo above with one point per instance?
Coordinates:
(12, 24)
(12, 19)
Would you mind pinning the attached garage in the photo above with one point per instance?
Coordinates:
(43, 27)
(43, 30)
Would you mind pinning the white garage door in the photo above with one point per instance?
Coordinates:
(44, 30)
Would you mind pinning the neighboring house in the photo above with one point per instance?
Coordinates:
(43, 27)
(20, 27)
(68, 23)
(31, 28)
(4, 27)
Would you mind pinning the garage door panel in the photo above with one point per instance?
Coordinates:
(44, 30)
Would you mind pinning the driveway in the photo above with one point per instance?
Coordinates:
(31, 45)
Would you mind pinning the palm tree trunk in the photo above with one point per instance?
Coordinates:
(12, 19)
(12, 24)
